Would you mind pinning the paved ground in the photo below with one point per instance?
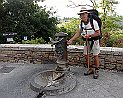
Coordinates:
(16, 83)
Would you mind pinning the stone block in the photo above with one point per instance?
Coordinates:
(119, 67)
(110, 67)
(102, 61)
(119, 61)
(117, 53)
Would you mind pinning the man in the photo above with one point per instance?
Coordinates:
(87, 32)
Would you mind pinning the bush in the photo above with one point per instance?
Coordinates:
(114, 39)
(34, 41)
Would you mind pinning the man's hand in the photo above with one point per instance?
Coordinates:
(87, 36)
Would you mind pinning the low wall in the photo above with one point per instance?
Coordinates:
(110, 57)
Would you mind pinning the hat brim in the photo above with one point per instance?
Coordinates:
(82, 12)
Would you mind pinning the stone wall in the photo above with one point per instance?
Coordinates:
(110, 57)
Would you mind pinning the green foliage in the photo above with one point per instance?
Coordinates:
(71, 28)
(1, 15)
(17, 13)
(116, 38)
(113, 39)
(34, 41)
(112, 23)
(1, 2)
(44, 24)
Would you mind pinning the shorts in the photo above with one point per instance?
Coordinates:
(95, 48)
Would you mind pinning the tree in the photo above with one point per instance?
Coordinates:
(1, 2)
(25, 17)
(17, 13)
(108, 8)
(1, 15)
(44, 24)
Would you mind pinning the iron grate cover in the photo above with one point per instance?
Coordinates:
(6, 69)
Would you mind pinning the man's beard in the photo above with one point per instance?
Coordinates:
(86, 21)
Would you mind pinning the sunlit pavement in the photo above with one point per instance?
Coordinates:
(15, 78)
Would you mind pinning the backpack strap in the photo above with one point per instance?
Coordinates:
(92, 25)
(91, 22)
(81, 26)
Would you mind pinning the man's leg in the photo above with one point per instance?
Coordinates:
(96, 60)
(96, 71)
(88, 60)
(96, 51)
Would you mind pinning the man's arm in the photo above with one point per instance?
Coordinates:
(97, 33)
(97, 29)
(74, 37)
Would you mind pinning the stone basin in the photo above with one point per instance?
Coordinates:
(39, 82)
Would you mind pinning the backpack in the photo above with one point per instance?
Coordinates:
(94, 16)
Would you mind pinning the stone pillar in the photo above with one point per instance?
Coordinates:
(61, 50)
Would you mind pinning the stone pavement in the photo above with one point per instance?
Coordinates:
(15, 84)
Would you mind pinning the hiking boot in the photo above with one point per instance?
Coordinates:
(96, 73)
(89, 72)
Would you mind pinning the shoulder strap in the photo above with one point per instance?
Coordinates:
(91, 22)
(81, 26)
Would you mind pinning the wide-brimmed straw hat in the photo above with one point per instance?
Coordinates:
(83, 10)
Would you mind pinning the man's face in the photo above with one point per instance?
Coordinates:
(84, 16)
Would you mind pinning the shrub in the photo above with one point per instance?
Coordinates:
(34, 41)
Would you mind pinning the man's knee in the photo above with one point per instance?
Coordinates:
(96, 57)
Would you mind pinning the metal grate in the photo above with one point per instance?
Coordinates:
(6, 69)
